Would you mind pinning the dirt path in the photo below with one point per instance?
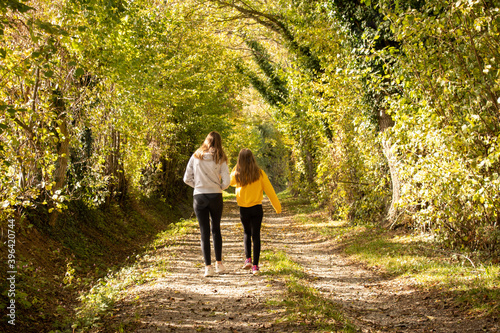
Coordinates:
(375, 303)
(186, 301)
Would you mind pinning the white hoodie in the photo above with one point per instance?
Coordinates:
(206, 176)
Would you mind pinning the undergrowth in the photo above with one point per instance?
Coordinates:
(76, 258)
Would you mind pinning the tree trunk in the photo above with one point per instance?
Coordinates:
(385, 122)
(117, 186)
(396, 185)
(62, 151)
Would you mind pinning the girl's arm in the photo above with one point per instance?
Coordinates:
(189, 174)
(271, 194)
(232, 182)
(225, 177)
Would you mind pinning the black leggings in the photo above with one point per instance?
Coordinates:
(251, 218)
(208, 206)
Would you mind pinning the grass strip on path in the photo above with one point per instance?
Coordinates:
(303, 304)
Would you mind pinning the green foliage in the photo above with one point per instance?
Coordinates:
(267, 145)
(428, 67)
(447, 120)
(87, 245)
(101, 99)
(169, 88)
(338, 159)
(105, 97)
(275, 92)
(15, 5)
(33, 115)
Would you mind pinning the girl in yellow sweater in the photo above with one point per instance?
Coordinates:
(250, 182)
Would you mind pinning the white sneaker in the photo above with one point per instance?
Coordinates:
(209, 270)
(247, 264)
(219, 268)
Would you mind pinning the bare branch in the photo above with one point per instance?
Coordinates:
(35, 90)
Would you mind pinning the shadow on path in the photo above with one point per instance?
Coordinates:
(185, 301)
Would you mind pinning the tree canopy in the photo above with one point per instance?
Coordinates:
(382, 111)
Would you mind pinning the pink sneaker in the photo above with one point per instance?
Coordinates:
(247, 264)
(255, 270)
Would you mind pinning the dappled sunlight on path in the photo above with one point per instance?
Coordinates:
(183, 300)
(186, 301)
(371, 301)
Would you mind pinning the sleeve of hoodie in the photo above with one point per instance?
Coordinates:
(271, 194)
(224, 174)
(189, 174)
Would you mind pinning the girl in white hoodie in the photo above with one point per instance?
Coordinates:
(207, 172)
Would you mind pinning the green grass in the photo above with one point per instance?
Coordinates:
(303, 304)
(170, 235)
(408, 255)
(475, 284)
(297, 205)
(281, 265)
(228, 196)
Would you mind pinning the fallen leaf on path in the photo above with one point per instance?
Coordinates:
(177, 299)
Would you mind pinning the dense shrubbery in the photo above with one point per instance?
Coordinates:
(447, 119)
(98, 97)
(379, 110)
(436, 74)
(392, 110)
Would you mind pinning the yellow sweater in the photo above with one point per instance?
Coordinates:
(252, 194)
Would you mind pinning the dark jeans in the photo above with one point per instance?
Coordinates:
(208, 206)
(251, 218)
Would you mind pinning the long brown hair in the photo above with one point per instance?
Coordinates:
(212, 145)
(247, 171)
